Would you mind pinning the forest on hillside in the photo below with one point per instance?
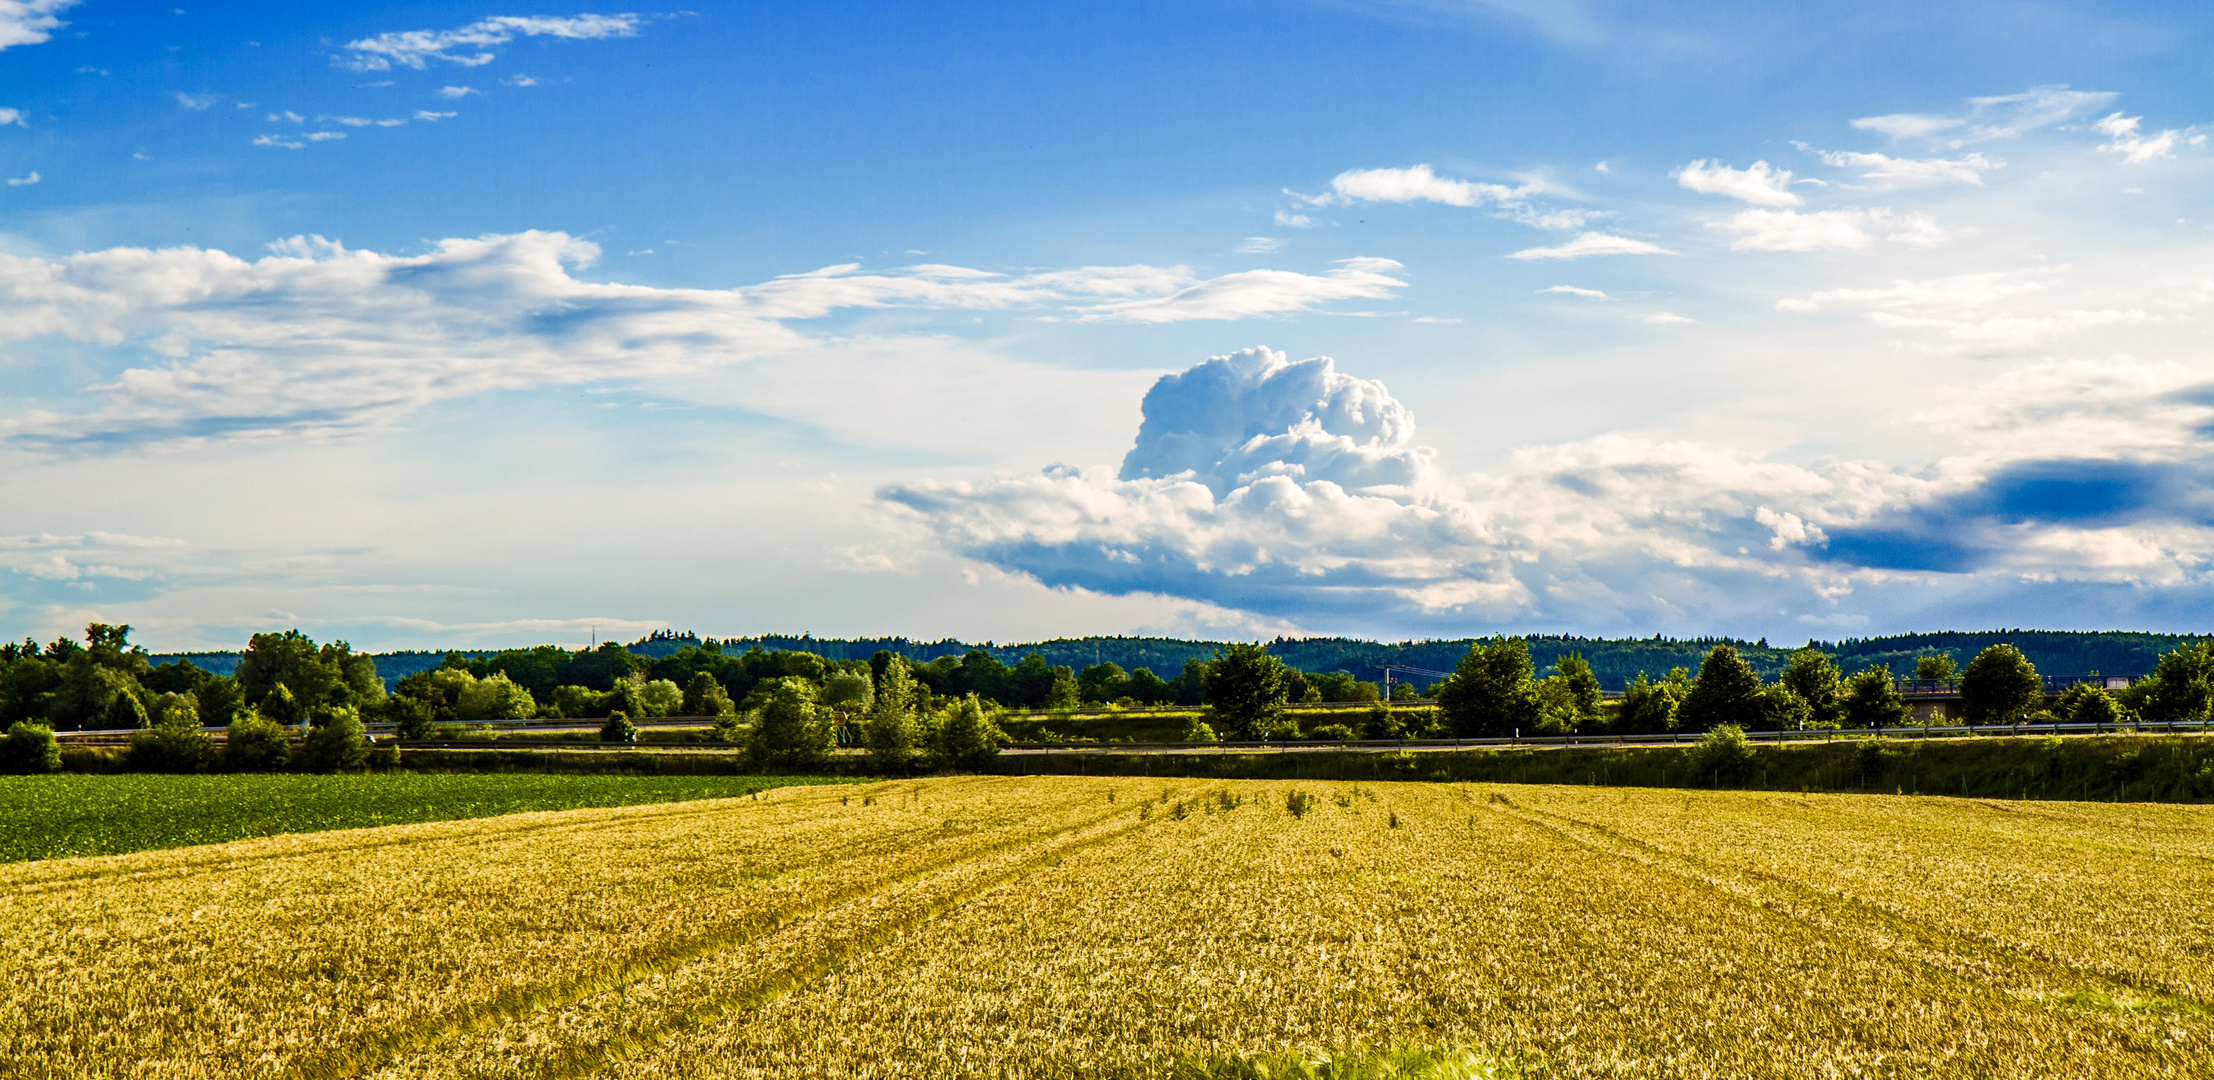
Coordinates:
(1616, 661)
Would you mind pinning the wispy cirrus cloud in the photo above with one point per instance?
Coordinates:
(1999, 117)
(468, 45)
(315, 337)
(1887, 171)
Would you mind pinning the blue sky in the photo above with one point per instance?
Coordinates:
(441, 324)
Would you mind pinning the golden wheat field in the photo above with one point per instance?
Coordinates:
(1089, 927)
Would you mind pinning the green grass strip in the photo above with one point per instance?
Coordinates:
(68, 815)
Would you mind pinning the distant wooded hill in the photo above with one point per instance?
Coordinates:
(1616, 661)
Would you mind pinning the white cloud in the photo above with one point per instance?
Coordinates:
(1260, 245)
(1420, 183)
(13, 116)
(452, 92)
(1294, 221)
(428, 116)
(1296, 491)
(280, 141)
(287, 115)
(30, 22)
(25, 181)
(1593, 243)
(1668, 318)
(1908, 125)
(1761, 185)
(75, 558)
(316, 337)
(1417, 184)
(1986, 118)
(465, 45)
(325, 136)
(1984, 313)
(1572, 290)
(2136, 148)
(195, 101)
(1254, 293)
(359, 121)
(519, 80)
(1898, 172)
(1848, 230)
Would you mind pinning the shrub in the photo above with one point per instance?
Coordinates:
(968, 738)
(337, 743)
(1382, 723)
(255, 743)
(385, 755)
(1198, 731)
(30, 748)
(1723, 753)
(171, 748)
(618, 728)
(1333, 733)
(413, 718)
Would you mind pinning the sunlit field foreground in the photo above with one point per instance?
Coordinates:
(1056, 926)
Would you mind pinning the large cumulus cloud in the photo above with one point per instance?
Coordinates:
(1297, 491)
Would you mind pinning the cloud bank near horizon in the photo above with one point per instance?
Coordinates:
(1297, 491)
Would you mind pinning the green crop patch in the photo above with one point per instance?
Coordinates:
(49, 817)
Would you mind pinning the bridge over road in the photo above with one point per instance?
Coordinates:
(1935, 700)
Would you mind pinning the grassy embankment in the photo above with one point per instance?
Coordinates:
(45, 817)
(1062, 926)
(2129, 768)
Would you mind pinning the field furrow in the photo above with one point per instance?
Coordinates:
(1082, 927)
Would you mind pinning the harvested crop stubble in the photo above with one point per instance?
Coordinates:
(334, 952)
(1038, 926)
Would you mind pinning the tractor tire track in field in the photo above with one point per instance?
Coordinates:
(621, 1011)
(1999, 972)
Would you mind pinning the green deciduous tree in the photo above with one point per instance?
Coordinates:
(496, 697)
(1934, 666)
(336, 741)
(1726, 691)
(1648, 707)
(890, 730)
(220, 700)
(703, 696)
(1491, 693)
(1872, 700)
(1782, 709)
(1581, 685)
(2000, 686)
(968, 738)
(2181, 686)
(2087, 704)
(1815, 678)
(791, 728)
(1245, 688)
